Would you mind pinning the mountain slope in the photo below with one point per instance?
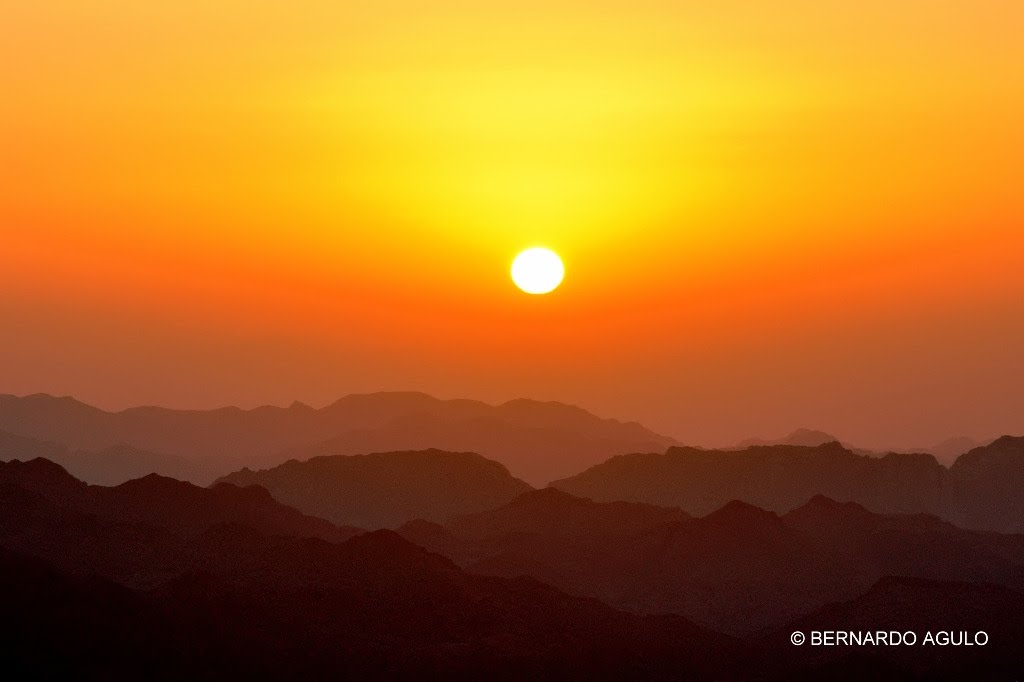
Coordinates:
(136, 531)
(384, 490)
(737, 569)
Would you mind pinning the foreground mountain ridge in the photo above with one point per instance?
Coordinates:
(135, 582)
(160, 579)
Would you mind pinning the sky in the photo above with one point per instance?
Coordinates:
(801, 213)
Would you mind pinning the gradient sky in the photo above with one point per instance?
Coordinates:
(772, 214)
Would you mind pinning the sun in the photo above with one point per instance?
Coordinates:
(537, 271)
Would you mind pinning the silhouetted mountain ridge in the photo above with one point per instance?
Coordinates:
(738, 569)
(984, 489)
(536, 440)
(384, 490)
(233, 597)
(137, 530)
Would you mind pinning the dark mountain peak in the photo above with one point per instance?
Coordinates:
(428, 456)
(830, 449)
(823, 511)
(832, 446)
(155, 483)
(62, 402)
(918, 460)
(684, 451)
(445, 458)
(1006, 444)
(154, 488)
(738, 512)
(824, 504)
(906, 456)
(547, 496)
(50, 398)
(801, 437)
(1005, 449)
(388, 548)
(40, 476)
(383, 539)
(38, 466)
(526, 405)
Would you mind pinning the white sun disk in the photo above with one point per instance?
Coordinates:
(537, 271)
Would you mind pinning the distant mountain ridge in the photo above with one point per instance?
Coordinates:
(983, 489)
(384, 490)
(945, 452)
(108, 466)
(537, 441)
(802, 437)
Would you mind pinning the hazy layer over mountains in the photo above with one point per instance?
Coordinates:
(536, 441)
(595, 456)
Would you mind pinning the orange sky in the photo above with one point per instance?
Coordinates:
(798, 213)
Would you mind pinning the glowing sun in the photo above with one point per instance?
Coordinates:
(537, 271)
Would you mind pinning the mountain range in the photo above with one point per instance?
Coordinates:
(537, 441)
(161, 579)
(944, 452)
(981, 490)
(739, 569)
